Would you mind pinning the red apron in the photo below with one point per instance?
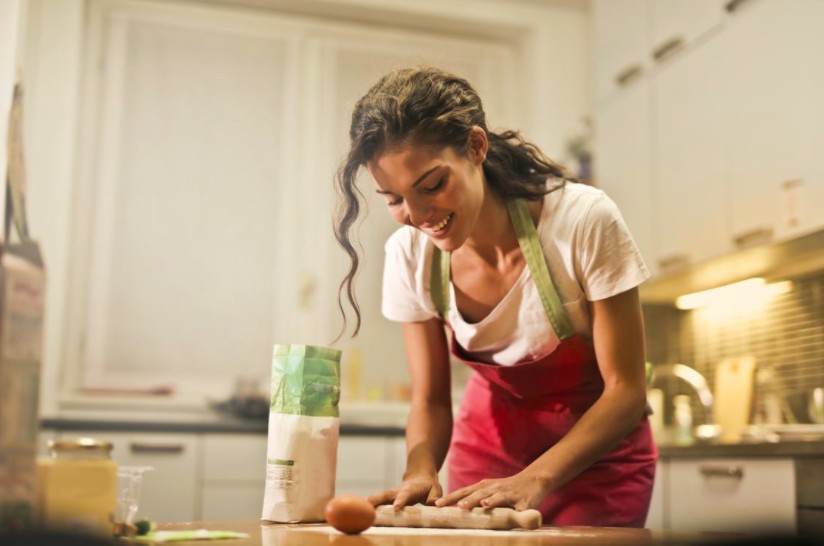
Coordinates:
(510, 415)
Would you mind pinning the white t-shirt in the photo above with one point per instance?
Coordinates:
(590, 255)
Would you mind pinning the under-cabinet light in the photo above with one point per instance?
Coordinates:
(739, 293)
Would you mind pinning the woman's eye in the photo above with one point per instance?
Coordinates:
(436, 187)
(394, 202)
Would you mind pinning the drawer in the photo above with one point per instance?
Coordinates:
(736, 495)
(168, 492)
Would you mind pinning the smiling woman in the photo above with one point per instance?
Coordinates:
(536, 279)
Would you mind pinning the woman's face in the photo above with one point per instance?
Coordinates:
(437, 191)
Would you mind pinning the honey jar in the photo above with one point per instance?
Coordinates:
(77, 487)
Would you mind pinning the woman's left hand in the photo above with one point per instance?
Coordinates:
(521, 491)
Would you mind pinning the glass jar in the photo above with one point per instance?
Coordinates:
(77, 486)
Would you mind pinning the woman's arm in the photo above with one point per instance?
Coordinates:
(429, 426)
(618, 336)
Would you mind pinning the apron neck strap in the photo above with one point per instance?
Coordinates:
(536, 261)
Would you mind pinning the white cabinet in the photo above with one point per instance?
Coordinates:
(676, 23)
(734, 495)
(624, 162)
(775, 119)
(656, 517)
(621, 43)
(168, 492)
(736, 125)
(233, 476)
(692, 205)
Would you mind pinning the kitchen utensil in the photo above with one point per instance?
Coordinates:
(733, 395)
(453, 517)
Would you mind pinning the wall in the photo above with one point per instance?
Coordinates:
(786, 335)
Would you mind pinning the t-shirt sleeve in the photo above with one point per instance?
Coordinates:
(403, 292)
(610, 262)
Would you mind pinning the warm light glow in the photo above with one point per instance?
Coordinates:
(741, 294)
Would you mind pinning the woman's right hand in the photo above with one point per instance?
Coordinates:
(419, 488)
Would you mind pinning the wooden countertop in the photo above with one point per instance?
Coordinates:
(269, 534)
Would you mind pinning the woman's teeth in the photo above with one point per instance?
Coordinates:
(441, 225)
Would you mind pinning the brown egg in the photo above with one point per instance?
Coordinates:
(350, 514)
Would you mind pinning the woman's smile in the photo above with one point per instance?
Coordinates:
(439, 229)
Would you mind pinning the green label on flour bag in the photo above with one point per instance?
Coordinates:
(305, 380)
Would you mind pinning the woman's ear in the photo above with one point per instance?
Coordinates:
(477, 145)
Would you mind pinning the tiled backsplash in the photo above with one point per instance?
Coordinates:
(786, 334)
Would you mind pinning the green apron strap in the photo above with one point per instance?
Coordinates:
(535, 260)
(440, 281)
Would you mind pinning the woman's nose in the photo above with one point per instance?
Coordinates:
(417, 213)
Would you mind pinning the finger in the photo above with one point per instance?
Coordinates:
(455, 496)
(384, 497)
(401, 499)
(495, 500)
(471, 501)
(434, 494)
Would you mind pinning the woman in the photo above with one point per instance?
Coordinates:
(536, 279)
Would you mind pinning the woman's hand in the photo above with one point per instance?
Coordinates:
(521, 491)
(421, 488)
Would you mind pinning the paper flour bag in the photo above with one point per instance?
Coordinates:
(301, 457)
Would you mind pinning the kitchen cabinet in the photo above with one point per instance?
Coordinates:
(809, 479)
(169, 492)
(730, 494)
(624, 162)
(775, 119)
(621, 44)
(691, 198)
(674, 24)
(656, 517)
(232, 477)
(736, 127)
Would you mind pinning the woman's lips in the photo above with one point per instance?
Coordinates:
(441, 227)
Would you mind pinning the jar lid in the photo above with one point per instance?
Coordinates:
(80, 445)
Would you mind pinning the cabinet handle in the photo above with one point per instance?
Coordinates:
(732, 5)
(735, 472)
(673, 261)
(752, 237)
(668, 48)
(145, 447)
(628, 74)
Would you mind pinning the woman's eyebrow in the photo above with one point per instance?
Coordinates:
(420, 179)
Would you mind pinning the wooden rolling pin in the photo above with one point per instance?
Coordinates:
(452, 517)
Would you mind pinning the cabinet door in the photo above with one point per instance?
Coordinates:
(776, 119)
(167, 493)
(692, 221)
(362, 465)
(624, 161)
(677, 23)
(620, 42)
(233, 476)
(736, 495)
(656, 515)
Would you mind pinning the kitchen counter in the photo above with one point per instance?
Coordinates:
(783, 448)
(363, 421)
(267, 534)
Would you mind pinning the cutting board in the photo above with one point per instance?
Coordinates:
(734, 378)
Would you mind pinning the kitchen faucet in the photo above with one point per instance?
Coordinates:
(694, 379)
